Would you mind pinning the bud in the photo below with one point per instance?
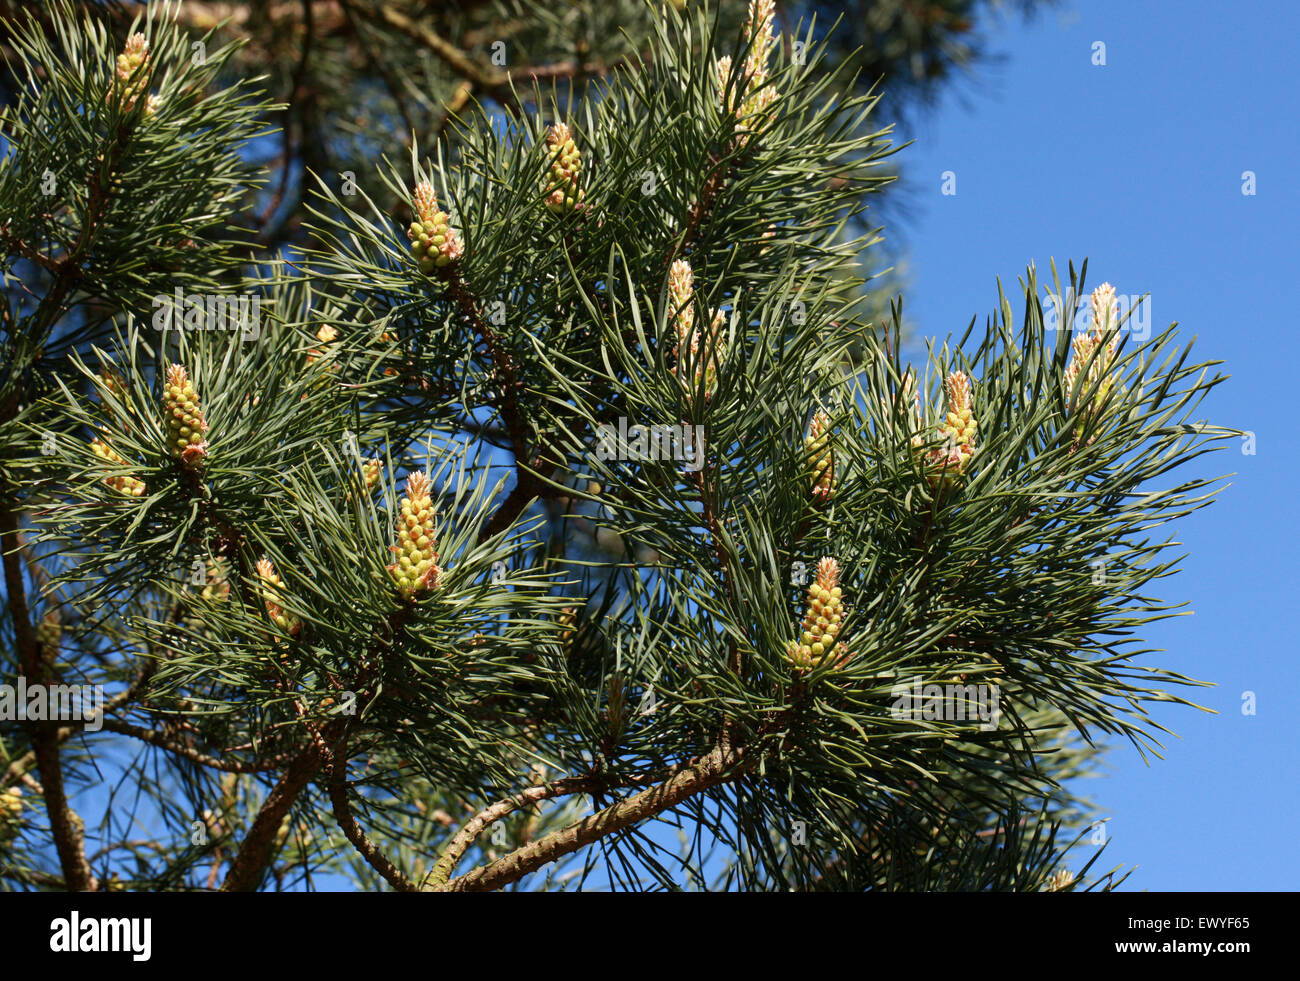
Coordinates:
(909, 402)
(212, 821)
(11, 801)
(1082, 348)
(184, 418)
(271, 589)
(1096, 352)
(132, 75)
(681, 287)
(959, 422)
(364, 484)
(561, 189)
(416, 569)
(817, 451)
(822, 621)
(217, 583)
(567, 618)
(48, 632)
(11, 811)
(327, 335)
(697, 361)
(1105, 310)
(216, 589)
(1059, 881)
(751, 95)
(122, 483)
(758, 29)
(434, 243)
(947, 464)
(729, 105)
(616, 702)
(111, 382)
(383, 340)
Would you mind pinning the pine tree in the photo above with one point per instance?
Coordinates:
(510, 533)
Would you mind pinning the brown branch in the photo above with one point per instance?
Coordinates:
(719, 554)
(69, 267)
(256, 849)
(18, 768)
(562, 69)
(376, 62)
(338, 791)
(205, 16)
(265, 236)
(255, 852)
(455, 59)
(701, 207)
(337, 788)
(66, 827)
(32, 877)
(155, 738)
(531, 473)
(721, 765)
(528, 485)
(504, 368)
(452, 107)
(19, 247)
(467, 835)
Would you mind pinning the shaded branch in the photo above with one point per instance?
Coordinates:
(255, 850)
(66, 827)
(155, 738)
(455, 59)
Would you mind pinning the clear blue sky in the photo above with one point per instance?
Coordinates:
(1137, 165)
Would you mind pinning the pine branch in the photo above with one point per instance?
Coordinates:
(719, 766)
(256, 850)
(472, 829)
(505, 372)
(455, 59)
(67, 828)
(530, 473)
(343, 814)
(155, 738)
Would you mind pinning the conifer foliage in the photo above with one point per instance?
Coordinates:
(311, 525)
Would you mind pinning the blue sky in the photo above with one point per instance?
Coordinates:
(1137, 165)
